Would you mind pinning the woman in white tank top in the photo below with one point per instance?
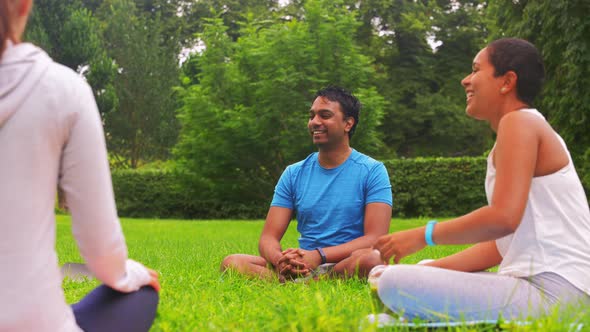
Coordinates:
(536, 225)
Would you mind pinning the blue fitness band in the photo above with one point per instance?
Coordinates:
(322, 255)
(428, 232)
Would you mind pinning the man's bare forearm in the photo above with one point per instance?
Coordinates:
(270, 249)
(337, 253)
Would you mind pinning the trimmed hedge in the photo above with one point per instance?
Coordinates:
(167, 194)
(421, 187)
(437, 186)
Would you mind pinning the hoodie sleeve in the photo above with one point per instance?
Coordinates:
(86, 182)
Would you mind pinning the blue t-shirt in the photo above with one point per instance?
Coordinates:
(330, 203)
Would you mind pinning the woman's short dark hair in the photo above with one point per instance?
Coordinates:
(523, 58)
(349, 104)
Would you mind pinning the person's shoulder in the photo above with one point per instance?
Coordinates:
(521, 117)
(66, 79)
(309, 160)
(363, 159)
(296, 167)
(523, 122)
(70, 92)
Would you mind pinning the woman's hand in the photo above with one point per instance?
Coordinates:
(400, 244)
(154, 282)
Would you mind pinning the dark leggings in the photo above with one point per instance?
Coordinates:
(105, 309)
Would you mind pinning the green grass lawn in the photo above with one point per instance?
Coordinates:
(197, 297)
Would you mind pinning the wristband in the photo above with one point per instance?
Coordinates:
(428, 232)
(322, 255)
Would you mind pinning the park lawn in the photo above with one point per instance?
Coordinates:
(195, 296)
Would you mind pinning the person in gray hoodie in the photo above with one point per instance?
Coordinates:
(51, 136)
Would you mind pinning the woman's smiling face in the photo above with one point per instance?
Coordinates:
(482, 87)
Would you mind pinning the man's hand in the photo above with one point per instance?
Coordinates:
(311, 257)
(292, 264)
(400, 244)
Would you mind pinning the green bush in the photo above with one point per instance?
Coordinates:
(437, 186)
(421, 187)
(169, 194)
(583, 168)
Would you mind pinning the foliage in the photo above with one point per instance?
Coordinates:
(437, 186)
(46, 28)
(130, 62)
(143, 124)
(459, 27)
(233, 13)
(244, 115)
(243, 101)
(421, 82)
(560, 30)
(71, 35)
(171, 194)
(421, 187)
(101, 76)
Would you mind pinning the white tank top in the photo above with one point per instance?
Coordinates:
(554, 233)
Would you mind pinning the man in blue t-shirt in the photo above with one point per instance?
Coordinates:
(341, 198)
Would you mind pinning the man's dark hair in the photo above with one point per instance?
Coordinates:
(349, 104)
(523, 58)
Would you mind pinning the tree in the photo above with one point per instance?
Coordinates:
(459, 28)
(232, 12)
(425, 114)
(68, 32)
(245, 119)
(71, 35)
(46, 29)
(143, 126)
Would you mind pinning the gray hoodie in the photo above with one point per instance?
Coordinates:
(51, 135)
(20, 70)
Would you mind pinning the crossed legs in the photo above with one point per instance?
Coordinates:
(359, 263)
(249, 265)
(105, 309)
(437, 294)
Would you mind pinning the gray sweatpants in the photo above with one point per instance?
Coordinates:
(430, 293)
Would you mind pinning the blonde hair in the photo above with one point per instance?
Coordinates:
(7, 8)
